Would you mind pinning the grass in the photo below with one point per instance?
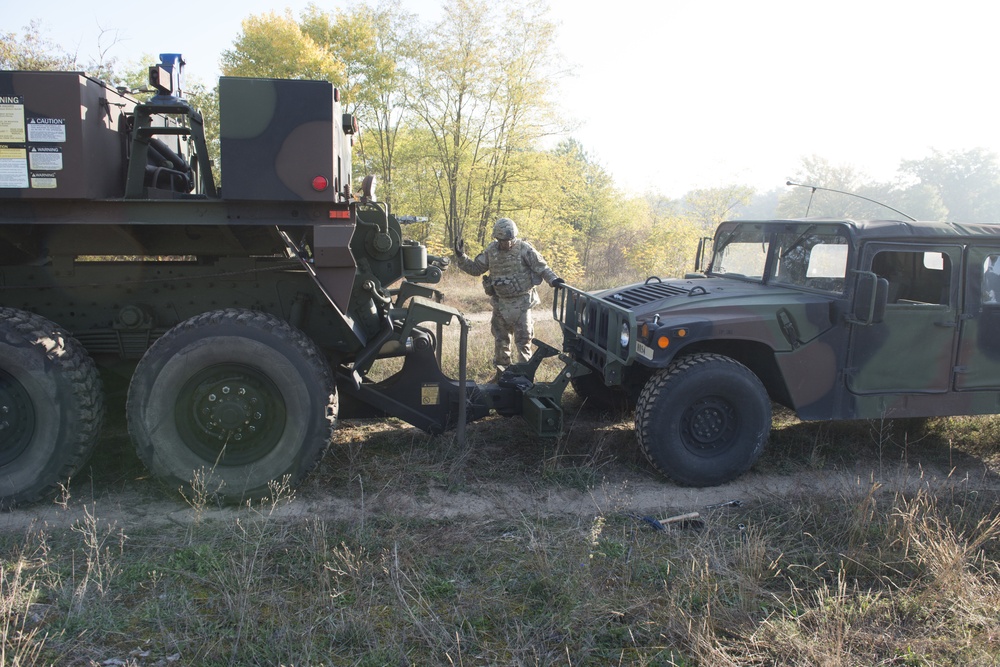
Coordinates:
(408, 549)
(866, 575)
(903, 570)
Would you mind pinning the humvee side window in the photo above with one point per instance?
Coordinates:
(914, 277)
(815, 259)
(991, 279)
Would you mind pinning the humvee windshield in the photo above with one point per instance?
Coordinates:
(808, 256)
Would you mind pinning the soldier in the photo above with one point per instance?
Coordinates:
(515, 267)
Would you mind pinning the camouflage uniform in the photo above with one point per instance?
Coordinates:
(510, 284)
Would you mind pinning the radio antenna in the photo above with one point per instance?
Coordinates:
(814, 188)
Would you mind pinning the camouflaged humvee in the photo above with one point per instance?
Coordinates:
(834, 319)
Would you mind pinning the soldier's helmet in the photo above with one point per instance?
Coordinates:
(504, 230)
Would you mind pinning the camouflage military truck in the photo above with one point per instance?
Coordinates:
(243, 320)
(834, 319)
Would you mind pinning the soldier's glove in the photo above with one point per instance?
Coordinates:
(460, 246)
(557, 282)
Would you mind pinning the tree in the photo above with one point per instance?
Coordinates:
(589, 203)
(32, 51)
(457, 85)
(816, 171)
(483, 83)
(710, 206)
(967, 182)
(377, 46)
(272, 45)
(523, 113)
(858, 197)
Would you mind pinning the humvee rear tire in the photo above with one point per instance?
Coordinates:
(703, 420)
(232, 400)
(51, 407)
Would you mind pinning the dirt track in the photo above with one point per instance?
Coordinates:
(477, 502)
(116, 489)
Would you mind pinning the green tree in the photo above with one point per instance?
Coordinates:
(457, 83)
(967, 182)
(377, 46)
(483, 81)
(589, 204)
(523, 112)
(856, 195)
(816, 171)
(273, 45)
(32, 51)
(710, 206)
(665, 245)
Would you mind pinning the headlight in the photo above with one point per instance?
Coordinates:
(584, 316)
(626, 336)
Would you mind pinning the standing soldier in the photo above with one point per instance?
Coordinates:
(515, 267)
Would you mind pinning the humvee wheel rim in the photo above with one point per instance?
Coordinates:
(230, 414)
(17, 418)
(710, 426)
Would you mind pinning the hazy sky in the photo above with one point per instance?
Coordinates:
(671, 95)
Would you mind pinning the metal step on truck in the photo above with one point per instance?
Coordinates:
(245, 318)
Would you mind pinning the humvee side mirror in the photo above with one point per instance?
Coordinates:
(704, 248)
(871, 293)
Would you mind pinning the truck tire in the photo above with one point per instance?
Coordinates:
(230, 401)
(703, 420)
(51, 407)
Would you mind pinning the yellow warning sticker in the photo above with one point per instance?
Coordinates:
(12, 123)
(430, 394)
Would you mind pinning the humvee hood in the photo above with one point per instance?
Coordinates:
(697, 292)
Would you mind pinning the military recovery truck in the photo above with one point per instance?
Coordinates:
(244, 318)
(834, 319)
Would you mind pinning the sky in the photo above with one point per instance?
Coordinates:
(673, 95)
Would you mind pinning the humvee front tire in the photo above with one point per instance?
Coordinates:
(235, 399)
(703, 420)
(51, 407)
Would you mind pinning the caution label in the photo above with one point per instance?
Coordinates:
(48, 130)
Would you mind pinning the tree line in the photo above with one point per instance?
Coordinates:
(461, 125)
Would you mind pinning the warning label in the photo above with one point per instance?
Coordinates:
(13, 167)
(42, 181)
(12, 120)
(45, 158)
(51, 130)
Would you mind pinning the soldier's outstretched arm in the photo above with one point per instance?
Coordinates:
(473, 266)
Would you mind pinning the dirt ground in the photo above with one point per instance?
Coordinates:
(130, 499)
(388, 468)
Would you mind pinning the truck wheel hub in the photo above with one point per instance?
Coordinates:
(710, 424)
(231, 413)
(17, 418)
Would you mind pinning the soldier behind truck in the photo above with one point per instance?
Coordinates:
(515, 268)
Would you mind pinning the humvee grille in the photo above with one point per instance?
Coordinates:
(637, 296)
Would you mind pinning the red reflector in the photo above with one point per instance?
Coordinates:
(340, 214)
(320, 183)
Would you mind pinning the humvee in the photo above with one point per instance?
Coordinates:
(833, 319)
